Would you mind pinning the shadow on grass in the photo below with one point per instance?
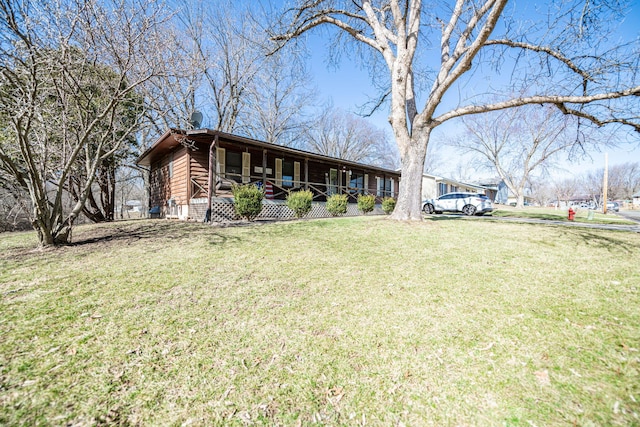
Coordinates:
(158, 230)
(608, 241)
(529, 215)
(440, 217)
(98, 237)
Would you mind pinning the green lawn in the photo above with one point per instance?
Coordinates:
(351, 321)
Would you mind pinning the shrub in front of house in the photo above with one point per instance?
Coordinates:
(300, 202)
(247, 200)
(366, 203)
(388, 205)
(337, 204)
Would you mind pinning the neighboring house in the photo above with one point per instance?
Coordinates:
(500, 194)
(636, 200)
(435, 186)
(133, 206)
(193, 171)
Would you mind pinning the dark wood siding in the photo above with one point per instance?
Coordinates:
(159, 183)
(179, 177)
(199, 172)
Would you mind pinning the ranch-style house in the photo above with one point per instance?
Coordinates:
(192, 171)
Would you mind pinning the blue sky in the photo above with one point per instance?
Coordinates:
(349, 87)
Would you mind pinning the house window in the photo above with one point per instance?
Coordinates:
(388, 187)
(384, 187)
(287, 174)
(332, 181)
(442, 188)
(233, 166)
(171, 165)
(356, 182)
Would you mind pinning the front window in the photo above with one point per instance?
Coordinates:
(332, 187)
(234, 165)
(356, 182)
(385, 187)
(287, 174)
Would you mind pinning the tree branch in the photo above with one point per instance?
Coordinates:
(463, 55)
(301, 24)
(542, 49)
(538, 99)
(598, 122)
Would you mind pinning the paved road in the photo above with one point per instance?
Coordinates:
(631, 215)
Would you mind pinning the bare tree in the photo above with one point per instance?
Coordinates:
(517, 142)
(277, 101)
(49, 52)
(433, 162)
(465, 170)
(340, 134)
(623, 181)
(591, 184)
(474, 34)
(565, 190)
(128, 187)
(14, 205)
(218, 65)
(170, 99)
(541, 192)
(225, 45)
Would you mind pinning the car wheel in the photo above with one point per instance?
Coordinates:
(428, 208)
(469, 210)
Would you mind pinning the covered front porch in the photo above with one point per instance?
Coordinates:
(192, 171)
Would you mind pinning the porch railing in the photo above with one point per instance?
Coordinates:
(320, 190)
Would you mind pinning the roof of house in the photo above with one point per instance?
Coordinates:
(171, 139)
(454, 182)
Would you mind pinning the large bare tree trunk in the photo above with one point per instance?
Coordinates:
(413, 154)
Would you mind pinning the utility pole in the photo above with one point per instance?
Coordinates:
(605, 183)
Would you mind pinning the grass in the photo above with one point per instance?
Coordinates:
(352, 321)
(582, 215)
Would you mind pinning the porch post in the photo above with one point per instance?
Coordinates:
(189, 186)
(211, 182)
(306, 173)
(264, 168)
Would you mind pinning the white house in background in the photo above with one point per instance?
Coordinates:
(435, 186)
(133, 206)
(636, 200)
(500, 194)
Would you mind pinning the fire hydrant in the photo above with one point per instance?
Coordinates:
(572, 214)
